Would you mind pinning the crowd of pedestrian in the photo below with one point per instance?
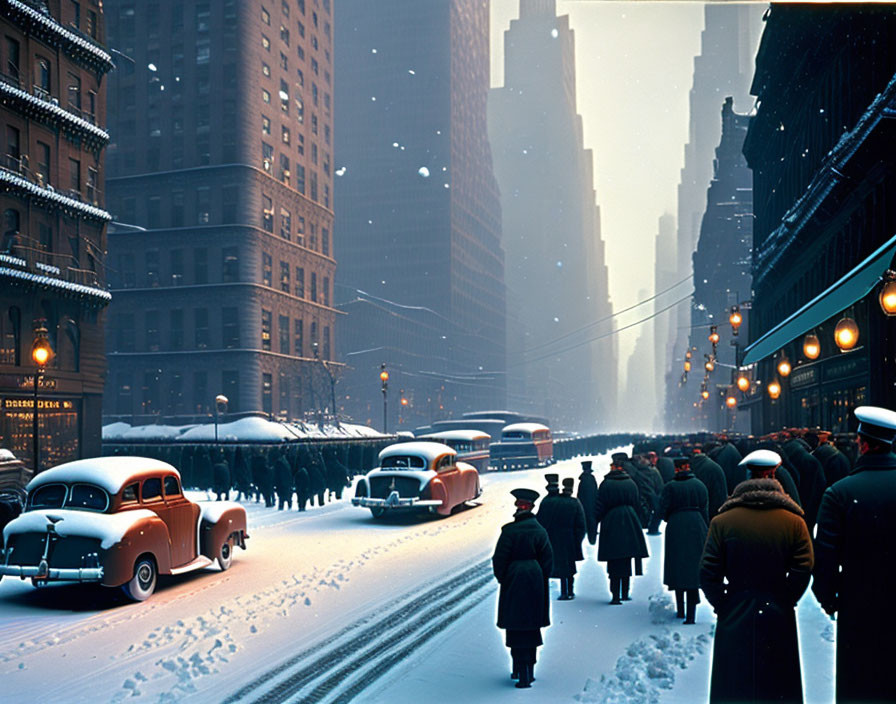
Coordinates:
(282, 476)
(749, 522)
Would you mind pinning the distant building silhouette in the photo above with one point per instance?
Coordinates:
(419, 224)
(556, 270)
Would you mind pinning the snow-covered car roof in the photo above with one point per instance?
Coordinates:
(524, 428)
(428, 450)
(459, 435)
(109, 473)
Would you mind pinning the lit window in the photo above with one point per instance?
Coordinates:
(265, 16)
(266, 43)
(265, 69)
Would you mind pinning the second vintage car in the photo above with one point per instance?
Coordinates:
(119, 522)
(417, 476)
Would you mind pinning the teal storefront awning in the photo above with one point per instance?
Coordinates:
(853, 287)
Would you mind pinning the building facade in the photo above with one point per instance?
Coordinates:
(52, 257)
(419, 222)
(221, 186)
(824, 183)
(566, 366)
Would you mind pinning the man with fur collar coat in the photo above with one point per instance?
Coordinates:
(760, 544)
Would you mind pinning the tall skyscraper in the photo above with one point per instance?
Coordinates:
(723, 68)
(666, 276)
(419, 226)
(52, 257)
(221, 256)
(556, 272)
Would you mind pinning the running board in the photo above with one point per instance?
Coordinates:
(197, 564)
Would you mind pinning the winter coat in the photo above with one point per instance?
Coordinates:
(522, 564)
(759, 543)
(221, 476)
(785, 479)
(812, 481)
(683, 505)
(727, 457)
(263, 474)
(833, 462)
(336, 473)
(621, 536)
(587, 494)
(563, 519)
(666, 467)
(317, 482)
(283, 481)
(203, 474)
(644, 477)
(855, 571)
(713, 479)
(242, 477)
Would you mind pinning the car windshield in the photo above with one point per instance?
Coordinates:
(515, 435)
(87, 497)
(403, 462)
(47, 496)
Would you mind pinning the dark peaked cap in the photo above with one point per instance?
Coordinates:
(529, 495)
(619, 457)
(552, 478)
(569, 482)
(876, 423)
(586, 464)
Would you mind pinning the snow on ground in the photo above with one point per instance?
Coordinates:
(307, 576)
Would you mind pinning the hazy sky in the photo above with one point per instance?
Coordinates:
(634, 65)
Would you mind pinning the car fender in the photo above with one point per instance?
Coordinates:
(146, 535)
(439, 492)
(218, 520)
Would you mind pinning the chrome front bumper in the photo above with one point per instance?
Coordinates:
(43, 572)
(394, 501)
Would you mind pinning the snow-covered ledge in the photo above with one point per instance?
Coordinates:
(50, 109)
(52, 196)
(59, 284)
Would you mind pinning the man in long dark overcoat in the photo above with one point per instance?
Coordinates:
(301, 481)
(812, 481)
(648, 491)
(664, 465)
(242, 477)
(756, 564)
(713, 478)
(283, 482)
(621, 536)
(683, 505)
(221, 477)
(833, 462)
(522, 563)
(855, 567)
(728, 458)
(587, 495)
(564, 520)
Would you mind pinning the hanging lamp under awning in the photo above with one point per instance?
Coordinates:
(853, 287)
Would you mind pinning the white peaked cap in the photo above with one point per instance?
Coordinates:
(877, 423)
(761, 458)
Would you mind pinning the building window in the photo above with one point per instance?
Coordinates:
(231, 196)
(312, 237)
(151, 391)
(11, 225)
(177, 267)
(325, 241)
(203, 50)
(123, 395)
(326, 341)
(265, 125)
(265, 69)
(314, 153)
(266, 393)
(152, 330)
(230, 269)
(45, 238)
(300, 52)
(74, 93)
(200, 328)
(266, 325)
(266, 43)
(283, 330)
(127, 270)
(313, 123)
(176, 393)
(283, 393)
(313, 334)
(300, 78)
(326, 196)
(298, 342)
(265, 96)
(284, 61)
(154, 213)
(284, 35)
(284, 169)
(200, 392)
(125, 333)
(74, 175)
(42, 78)
(12, 59)
(177, 209)
(267, 213)
(300, 178)
(43, 163)
(314, 286)
(152, 268)
(284, 277)
(203, 205)
(91, 24)
(266, 17)
(326, 291)
(314, 185)
(230, 327)
(267, 156)
(267, 266)
(92, 180)
(177, 329)
(285, 224)
(284, 134)
(300, 282)
(200, 265)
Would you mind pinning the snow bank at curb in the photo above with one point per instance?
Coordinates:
(649, 664)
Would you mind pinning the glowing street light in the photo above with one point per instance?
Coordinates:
(811, 346)
(846, 334)
(41, 354)
(384, 378)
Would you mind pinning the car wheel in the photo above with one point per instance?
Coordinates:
(143, 583)
(378, 512)
(225, 555)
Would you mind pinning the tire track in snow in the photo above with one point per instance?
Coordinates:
(351, 660)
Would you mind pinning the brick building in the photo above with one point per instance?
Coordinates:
(220, 181)
(52, 271)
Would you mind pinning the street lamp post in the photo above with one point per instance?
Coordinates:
(384, 377)
(41, 354)
(221, 402)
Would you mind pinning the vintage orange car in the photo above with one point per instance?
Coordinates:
(118, 521)
(417, 475)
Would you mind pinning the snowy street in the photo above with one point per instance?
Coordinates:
(331, 605)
